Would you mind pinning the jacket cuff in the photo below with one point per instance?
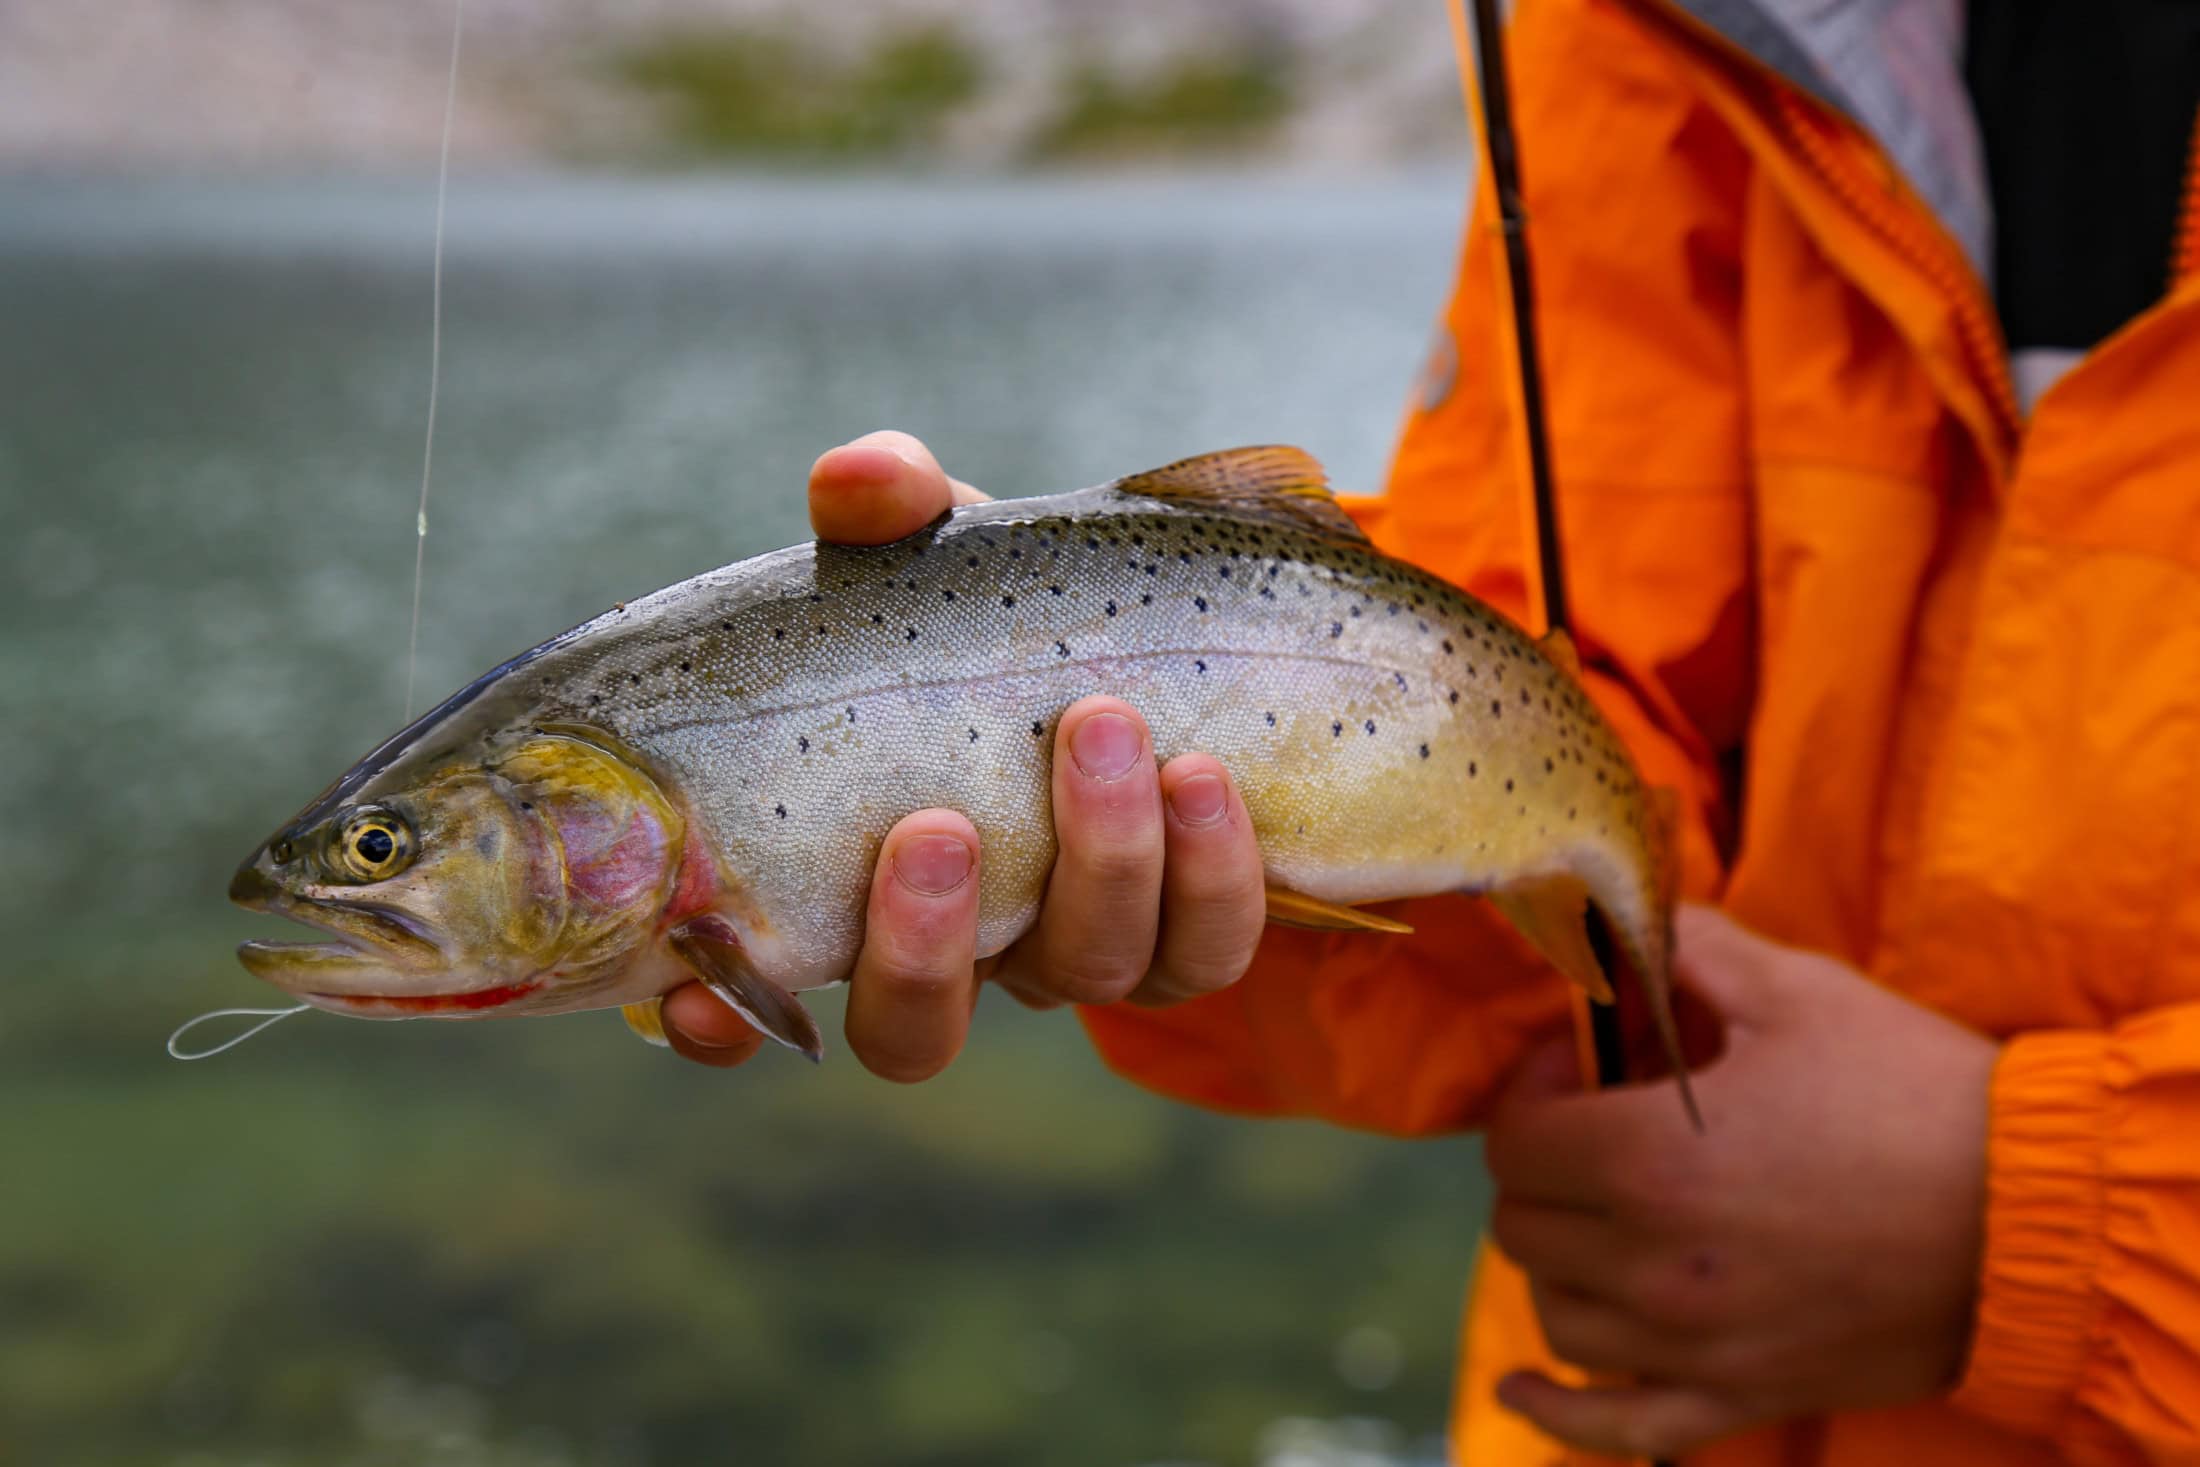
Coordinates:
(2038, 1307)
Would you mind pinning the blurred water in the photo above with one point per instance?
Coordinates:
(535, 1242)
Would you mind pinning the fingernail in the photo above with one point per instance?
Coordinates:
(932, 864)
(1106, 745)
(1199, 800)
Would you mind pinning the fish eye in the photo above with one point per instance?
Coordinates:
(373, 844)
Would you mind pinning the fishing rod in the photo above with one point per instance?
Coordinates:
(1607, 1040)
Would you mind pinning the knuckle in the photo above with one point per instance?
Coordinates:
(1657, 1182)
(1117, 862)
(1093, 976)
(1507, 1230)
(1196, 974)
(1640, 1436)
(1685, 1293)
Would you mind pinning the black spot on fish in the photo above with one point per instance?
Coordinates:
(1037, 728)
(686, 666)
(526, 804)
(973, 736)
(1054, 590)
(1454, 695)
(1336, 629)
(851, 715)
(1111, 608)
(1424, 751)
(1497, 709)
(1198, 665)
(725, 626)
(802, 745)
(1508, 786)
(944, 595)
(780, 811)
(1400, 679)
(912, 634)
(1447, 645)
(1146, 599)
(877, 620)
(1472, 769)
(1371, 725)
(635, 678)
(1548, 767)
(1336, 730)
(1226, 569)
(972, 562)
(1271, 720)
(779, 634)
(1008, 601)
(1061, 649)
(1200, 602)
(594, 699)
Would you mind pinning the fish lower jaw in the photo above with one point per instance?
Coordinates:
(473, 1003)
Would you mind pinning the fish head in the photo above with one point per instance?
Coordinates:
(522, 881)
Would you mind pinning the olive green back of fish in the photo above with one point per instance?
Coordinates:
(1392, 736)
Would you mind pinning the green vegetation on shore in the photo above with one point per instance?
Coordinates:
(771, 93)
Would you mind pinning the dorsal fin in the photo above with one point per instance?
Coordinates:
(1273, 482)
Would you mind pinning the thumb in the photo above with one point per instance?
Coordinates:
(1730, 969)
(880, 488)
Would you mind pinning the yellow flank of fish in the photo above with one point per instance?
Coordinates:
(695, 783)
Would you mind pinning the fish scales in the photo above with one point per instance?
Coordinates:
(1387, 733)
(1391, 736)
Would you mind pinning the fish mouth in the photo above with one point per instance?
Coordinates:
(371, 960)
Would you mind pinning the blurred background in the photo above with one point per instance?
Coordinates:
(690, 244)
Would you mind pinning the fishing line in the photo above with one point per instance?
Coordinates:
(435, 354)
(270, 1017)
(267, 1017)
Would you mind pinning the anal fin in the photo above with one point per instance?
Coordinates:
(1296, 909)
(712, 951)
(1552, 912)
(647, 1019)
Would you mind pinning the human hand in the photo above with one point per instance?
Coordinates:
(1816, 1249)
(1156, 893)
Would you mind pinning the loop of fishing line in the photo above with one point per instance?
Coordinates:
(435, 353)
(267, 1018)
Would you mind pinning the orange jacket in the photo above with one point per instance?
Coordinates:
(1959, 651)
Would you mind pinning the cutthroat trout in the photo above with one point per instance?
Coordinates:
(695, 785)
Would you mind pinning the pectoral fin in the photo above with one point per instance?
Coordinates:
(1296, 909)
(647, 1019)
(1552, 912)
(712, 950)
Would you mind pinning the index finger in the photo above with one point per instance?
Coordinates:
(880, 488)
(1581, 1150)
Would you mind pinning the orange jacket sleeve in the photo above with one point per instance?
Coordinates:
(2091, 1286)
(1638, 229)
